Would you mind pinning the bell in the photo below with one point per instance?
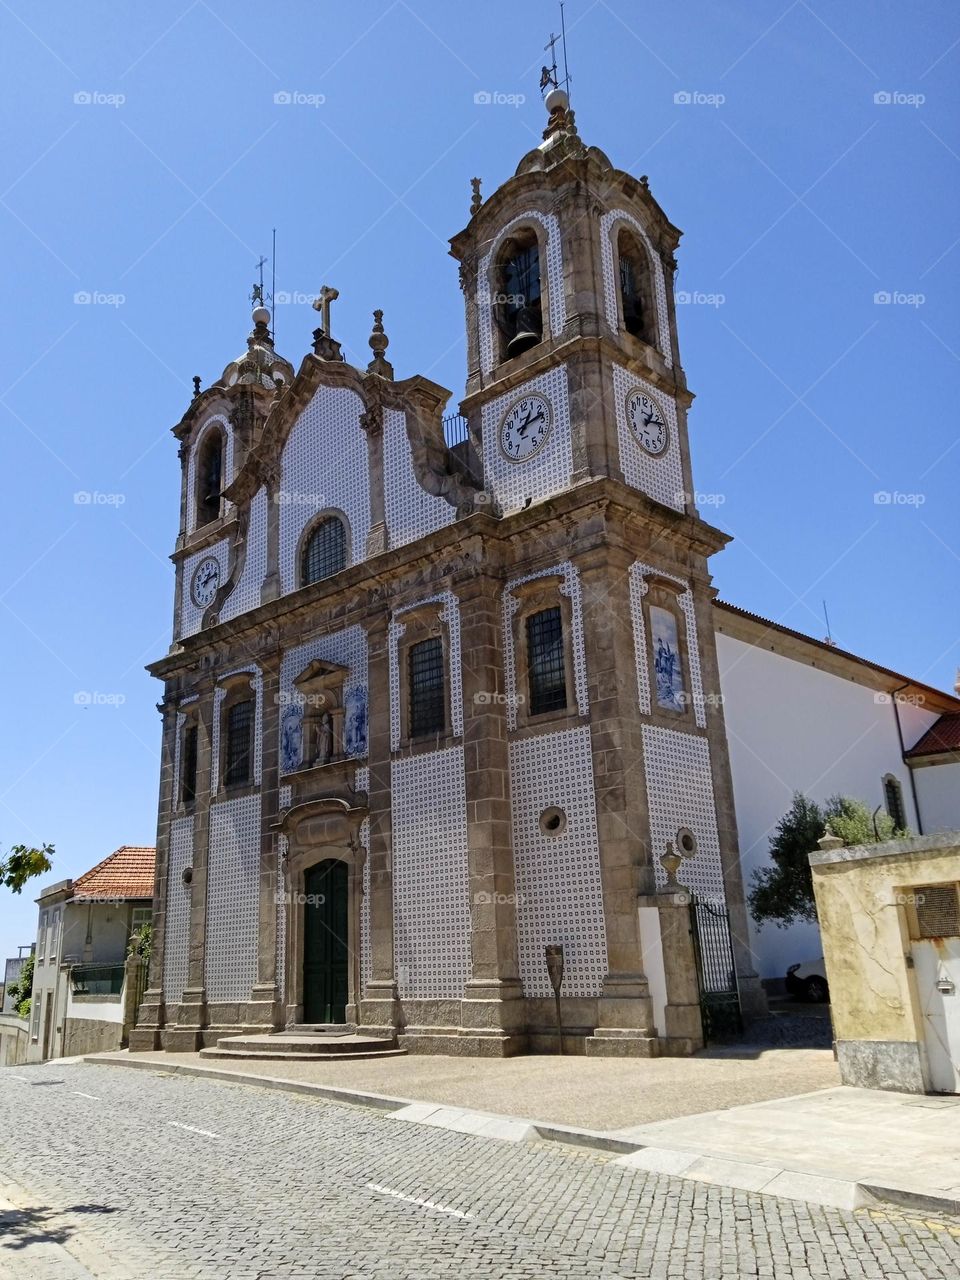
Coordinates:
(522, 340)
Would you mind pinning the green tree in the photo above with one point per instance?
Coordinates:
(783, 892)
(141, 942)
(20, 989)
(23, 863)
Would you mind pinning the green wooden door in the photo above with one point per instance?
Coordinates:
(325, 954)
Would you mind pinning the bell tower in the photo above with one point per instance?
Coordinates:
(567, 271)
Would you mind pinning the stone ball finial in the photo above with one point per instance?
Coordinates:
(476, 201)
(379, 342)
(556, 99)
(260, 316)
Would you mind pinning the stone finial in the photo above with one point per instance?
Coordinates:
(829, 841)
(196, 389)
(560, 119)
(477, 200)
(379, 342)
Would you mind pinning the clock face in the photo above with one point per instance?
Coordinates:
(526, 427)
(648, 422)
(206, 580)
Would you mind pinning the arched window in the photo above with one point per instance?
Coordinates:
(209, 476)
(517, 306)
(636, 295)
(324, 551)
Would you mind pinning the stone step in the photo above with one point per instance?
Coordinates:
(286, 1056)
(288, 1044)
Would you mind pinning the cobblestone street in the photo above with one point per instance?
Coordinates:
(116, 1174)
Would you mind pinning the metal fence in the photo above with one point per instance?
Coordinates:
(97, 979)
(716, 970)
(455, 429)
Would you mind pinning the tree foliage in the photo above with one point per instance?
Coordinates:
(23, 863)
(141, 942)
(783, 892)
(19, 990)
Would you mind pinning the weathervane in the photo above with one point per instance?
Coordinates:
(549, 75)
(256, 296)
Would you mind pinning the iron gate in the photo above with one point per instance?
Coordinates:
(716, 970)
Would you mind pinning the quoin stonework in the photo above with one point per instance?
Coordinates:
(444, 688)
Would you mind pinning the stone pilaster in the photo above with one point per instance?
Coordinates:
(377, 537)
(263, 1011)
(271, 588)
(624, 1012)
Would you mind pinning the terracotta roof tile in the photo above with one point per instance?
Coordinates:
(126, 873)
(939, 738)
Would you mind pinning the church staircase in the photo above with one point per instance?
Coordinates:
(310, 1043)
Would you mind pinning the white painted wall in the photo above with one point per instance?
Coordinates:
(792, 727)
(95, 1010)
(938, 790)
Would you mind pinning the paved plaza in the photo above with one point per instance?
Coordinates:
(130, 1174)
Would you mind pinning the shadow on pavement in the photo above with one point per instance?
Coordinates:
(20, 1228)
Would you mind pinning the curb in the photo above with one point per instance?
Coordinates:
(677, 1162)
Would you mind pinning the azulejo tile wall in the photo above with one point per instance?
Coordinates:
(610, 281)
(411, 512)
(552, 270)
(662, 476)
(191, 615)
(558, 884)
(638, 589)
(547, 472)
(233, 879)
(324, 468)
(177, 920)
(680, 794)
(219, 420)
(246, 594)
(510, 604)
(430, 875)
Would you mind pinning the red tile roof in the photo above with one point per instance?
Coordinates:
(940, 737)
(127, 873)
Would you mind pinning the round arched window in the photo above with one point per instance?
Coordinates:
(324, 552)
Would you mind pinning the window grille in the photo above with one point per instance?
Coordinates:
(325, 552)
(239, 758)
(893, 797)
(548, 686)
(938, 910)
(427, 702)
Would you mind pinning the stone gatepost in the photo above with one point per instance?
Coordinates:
(671, 963)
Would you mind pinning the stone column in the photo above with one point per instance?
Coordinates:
(146, 1034)
(263, 1011)
(271, 587)
(380, 1004)
(192, 1010)
(377, 538)
(493, 1011)
(624, 1013)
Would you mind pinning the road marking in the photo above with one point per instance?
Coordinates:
(190, 1129)
(23, 1078)
(424, 1204)
(80, 1094)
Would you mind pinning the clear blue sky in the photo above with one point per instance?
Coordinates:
(799, 195)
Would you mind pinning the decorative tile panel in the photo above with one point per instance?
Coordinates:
(553, 269)
(611, 282)
(680, 794)
(570, 589)
(546, 472)
(324, 468)
(450, 614)
(246, 594)
(346, 648)
(411, 512)
(191, 615)
(233, 899)
(227, 429)
(638, 589)
(176, 931)
(430, 875)
(558, 883)
(660, 477)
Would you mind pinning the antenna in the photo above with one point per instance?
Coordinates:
(829, 637)
(563, 37)
(273, 284)
(548, 75)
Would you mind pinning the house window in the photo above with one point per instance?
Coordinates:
(54, 933)
(893, 799)
(209, 476)
(324, 552)
(426, 685)
(667, 663)
(35, 1019)
(545, 661)
(238, 761)
(517, 302)
(42, 938)
(188, 765)
(140, 916)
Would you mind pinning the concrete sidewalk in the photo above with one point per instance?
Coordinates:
(832, 1145)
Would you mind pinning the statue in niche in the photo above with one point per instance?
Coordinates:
(291, 729)
(324, 739)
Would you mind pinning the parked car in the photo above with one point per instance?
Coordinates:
(808, 981)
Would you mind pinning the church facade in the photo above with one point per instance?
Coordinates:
(445, 693)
